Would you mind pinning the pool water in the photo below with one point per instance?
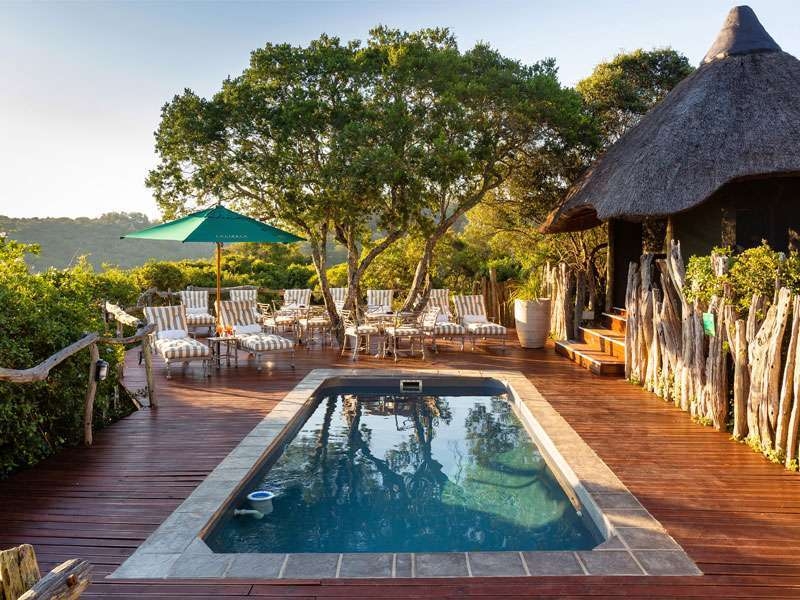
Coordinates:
(408, 473)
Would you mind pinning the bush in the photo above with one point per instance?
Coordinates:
(39, 315)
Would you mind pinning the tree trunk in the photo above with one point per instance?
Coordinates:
(780, 421)
(765, 356)
(417, 295)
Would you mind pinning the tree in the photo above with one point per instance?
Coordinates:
(403, 134)
(620, 91)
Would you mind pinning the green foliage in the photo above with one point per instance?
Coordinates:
(531, 288)
(39, 315)
(619, 92)
(753, 271)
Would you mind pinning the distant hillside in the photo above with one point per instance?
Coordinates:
(63, 240)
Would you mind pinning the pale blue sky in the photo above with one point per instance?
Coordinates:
(83, 82)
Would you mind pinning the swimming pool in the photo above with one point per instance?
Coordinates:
(375, 469)
(474, 475)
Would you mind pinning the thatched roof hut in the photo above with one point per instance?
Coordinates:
(735, 118)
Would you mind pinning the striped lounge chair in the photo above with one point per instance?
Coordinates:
(339, 296)
(379, 300)
(197, 313)
(239, 315)
(171, 339)
(471, 312)
(296, 298)
(445, 327)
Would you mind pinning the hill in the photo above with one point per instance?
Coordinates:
(63, 240)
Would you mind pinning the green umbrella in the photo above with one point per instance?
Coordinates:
(218, 225)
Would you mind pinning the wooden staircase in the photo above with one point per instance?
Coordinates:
(600, 349)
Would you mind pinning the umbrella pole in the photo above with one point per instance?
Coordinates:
(219, 279)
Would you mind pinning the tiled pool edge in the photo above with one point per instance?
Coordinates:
(636, 543)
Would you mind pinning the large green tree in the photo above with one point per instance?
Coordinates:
(362, 143)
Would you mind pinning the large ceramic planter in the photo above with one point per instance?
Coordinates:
(532, 319)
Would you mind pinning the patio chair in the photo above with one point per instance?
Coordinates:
(250, 338)
(471, 312)
(171, 338)
(197, 313)
(313, 323)
(379, 300)
(408, 327)
(357, 334)
(296, 298)
(445, 327)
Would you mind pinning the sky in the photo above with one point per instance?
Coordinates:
(84, 82)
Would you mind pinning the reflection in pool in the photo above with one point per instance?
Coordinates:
(395, 473)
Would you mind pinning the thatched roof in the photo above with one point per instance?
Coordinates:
(736, 117)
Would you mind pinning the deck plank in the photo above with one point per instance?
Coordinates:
(735, 514)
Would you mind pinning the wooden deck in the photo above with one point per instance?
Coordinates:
(735, 514)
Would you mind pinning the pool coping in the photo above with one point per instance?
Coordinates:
(635, 543)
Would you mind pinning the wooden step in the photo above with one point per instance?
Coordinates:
(614, 322)
(603, 340)
(616, 310)
(598, 363)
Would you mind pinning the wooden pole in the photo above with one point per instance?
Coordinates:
(219, 279)
(19, 571)
(781, 420)
(610, 272)
(88, 406)
(147, 354)
(66, 582)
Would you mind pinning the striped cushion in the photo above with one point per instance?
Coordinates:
(403, 330)
(486, 329)
(194, 298)
(244, 295)
(469, 305)
(182, 348)
(237, 312)
(449, 329)
(204, 319)
(380, 298)
(297, 297)
(167, 317)
(261, 342)
(339, 295)
(440, 297)
(363, 329)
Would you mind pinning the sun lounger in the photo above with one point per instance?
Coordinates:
(471, 312)
(249, 335)
(171, 339)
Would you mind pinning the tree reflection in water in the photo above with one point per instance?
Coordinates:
(406, 473)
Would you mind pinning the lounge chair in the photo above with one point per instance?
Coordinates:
(471, 312)
(339, 296)
(379, 300)
(250, 337)
(296, 298)
(445, 326)
(171, 338)
(197, 313)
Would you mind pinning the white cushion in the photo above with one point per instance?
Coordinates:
(246, 329)
(442, 317)
(469, 319)
(172, 334)
(199, 310)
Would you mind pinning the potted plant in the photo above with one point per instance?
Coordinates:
(531, 312)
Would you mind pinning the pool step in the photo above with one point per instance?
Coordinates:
(597, 361)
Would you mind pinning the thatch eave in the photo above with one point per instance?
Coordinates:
(736, 117)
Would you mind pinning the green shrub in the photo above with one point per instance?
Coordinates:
(39, 315)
